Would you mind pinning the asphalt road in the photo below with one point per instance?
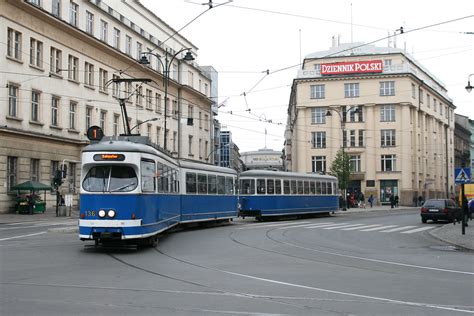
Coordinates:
(375, 263)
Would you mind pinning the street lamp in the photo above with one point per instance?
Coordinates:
(146, 121)
(340, 112)
(166, 75)
(469, 87)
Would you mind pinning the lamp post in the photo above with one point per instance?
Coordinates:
(343, 128)
(469, 87)
(146, 121)
(166, 65)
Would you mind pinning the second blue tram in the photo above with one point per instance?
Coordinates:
(265, 193)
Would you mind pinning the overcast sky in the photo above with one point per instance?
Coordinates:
(245, 38)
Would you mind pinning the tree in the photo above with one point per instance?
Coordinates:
(341, 169)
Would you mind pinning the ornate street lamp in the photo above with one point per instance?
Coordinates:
(166, 65)
(469, 87)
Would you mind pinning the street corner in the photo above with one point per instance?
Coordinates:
(452, 234)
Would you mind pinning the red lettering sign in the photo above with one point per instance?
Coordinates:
(352, 67)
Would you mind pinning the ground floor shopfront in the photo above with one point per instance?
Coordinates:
(26, 156)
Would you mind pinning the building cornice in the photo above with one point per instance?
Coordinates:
(51, 137)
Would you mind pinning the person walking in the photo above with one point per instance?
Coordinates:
(31, 203)
(392, 201)
(371, 200)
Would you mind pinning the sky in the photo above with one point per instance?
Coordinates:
(257, 45)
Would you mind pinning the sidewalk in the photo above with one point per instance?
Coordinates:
(448, 232)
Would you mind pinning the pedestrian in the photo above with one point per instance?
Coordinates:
(392, 201)
(348, 200)
(371, 200)
(396, 200)
(362, 200)
(31, 203)
(420, 201)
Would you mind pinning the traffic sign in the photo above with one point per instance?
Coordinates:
(462, 175)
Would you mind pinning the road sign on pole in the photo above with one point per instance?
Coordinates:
(462, 175)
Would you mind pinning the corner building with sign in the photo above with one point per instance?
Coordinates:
(391, 116)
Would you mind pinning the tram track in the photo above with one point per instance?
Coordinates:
(215, 291)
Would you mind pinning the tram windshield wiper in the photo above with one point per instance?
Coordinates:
(122, 187)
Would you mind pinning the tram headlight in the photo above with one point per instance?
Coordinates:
(111, 213)
(101, 213)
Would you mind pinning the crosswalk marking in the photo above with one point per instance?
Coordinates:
(297, 226)
(377, 228)
(323, 225)
(361, 227)
(396, 229)
(270, 225)
(417, 230)
(342, 226)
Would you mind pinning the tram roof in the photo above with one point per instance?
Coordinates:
(284, 174)
(197, 165)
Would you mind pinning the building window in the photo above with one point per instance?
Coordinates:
(355, 163)
(35, 101)
(206, 122)
(116, 38)
(351, 90)
(89, 23)
(103, 117)
(352, 139)
(318, 163)
(128, 45)
(190, 145)
(200, 119)
(200, 148)
(317, 91)
(104, 29)
(158, 135)
(158, 102)
(73, 12)
(103, 78)
(56, 8)
(72, 115)
(175, 109)
(361, 138)
(36, 53)
(413, 91)
(73, 66)
(428, 100)
(388, 163)
(72, 177)
(88, 74)
(116, 124)
(149, 99)
(54, 111)
(139, 50)
(191, 79)
(318, 139)
(387, 137)
(139, 95)
(318, 115)
(387, 113)
(148, 131)
(55, 61)
(387, 88)
(12, 172)
(88, 117)
(12, 100)
(34, 169)
(115, 87)
(13, 44)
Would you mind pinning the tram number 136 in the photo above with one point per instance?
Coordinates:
(90, 213)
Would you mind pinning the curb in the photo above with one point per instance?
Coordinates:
(433, 234)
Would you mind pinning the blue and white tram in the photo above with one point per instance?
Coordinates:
(208, 192)
(265, 193)
(129, 191)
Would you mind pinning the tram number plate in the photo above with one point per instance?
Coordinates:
(434, 210)
(90, 213)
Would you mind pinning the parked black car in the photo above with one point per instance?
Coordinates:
(440, 209)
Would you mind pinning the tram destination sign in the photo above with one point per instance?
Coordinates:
(352, 67)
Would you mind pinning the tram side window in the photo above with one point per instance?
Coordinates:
(278, 186)
(306, 187)
(318, 188)
(286, 187)
(202, 183)
(164, 174)
(211, 184)
(247, 186)
(148, 175)
(293, 187)
(324, 187)
(261, 186)
(175, 181)
(229, 185)
(190, 182)
(329, 187)
(300, 187)
(312, 188)
(220, 185)
(270, 186)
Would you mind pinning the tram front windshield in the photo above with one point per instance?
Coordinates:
(110, 179)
